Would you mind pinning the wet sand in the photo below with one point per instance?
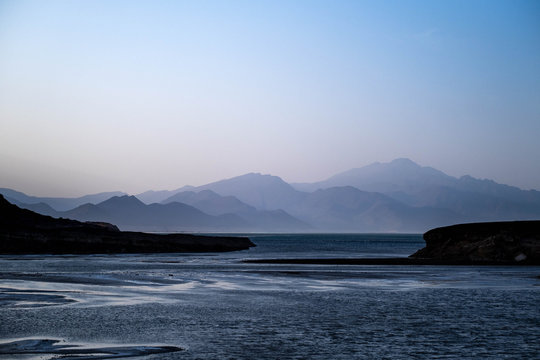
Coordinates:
(65, 350)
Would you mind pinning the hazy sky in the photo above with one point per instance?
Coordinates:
(138, 95)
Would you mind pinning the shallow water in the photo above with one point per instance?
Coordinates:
(216, 307)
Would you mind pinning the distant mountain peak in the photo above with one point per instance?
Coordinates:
(404, 161)
(400, 174)
(125, 200)
(125, 197)
(249, 179)
(257, 175)
(398, 162)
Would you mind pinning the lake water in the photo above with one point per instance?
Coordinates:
(213, 306)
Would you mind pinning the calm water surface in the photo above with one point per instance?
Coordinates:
(216, 307)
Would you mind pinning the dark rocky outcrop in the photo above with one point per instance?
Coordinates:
(25, 232)
(513, 242)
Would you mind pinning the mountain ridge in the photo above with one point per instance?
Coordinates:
(215, 204)
(60, 203)
(396, 196)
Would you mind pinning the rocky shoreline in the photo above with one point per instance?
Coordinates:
(26, 232)
(508, 242)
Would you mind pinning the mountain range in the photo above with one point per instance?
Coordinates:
(399, 196)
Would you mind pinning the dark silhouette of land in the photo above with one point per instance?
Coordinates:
(511, 242)
(26, 232)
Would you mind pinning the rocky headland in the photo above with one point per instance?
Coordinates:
(512, 242)
(26, 232)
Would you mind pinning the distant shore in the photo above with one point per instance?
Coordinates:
(383, 261)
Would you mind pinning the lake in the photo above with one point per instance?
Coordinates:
(213, 306)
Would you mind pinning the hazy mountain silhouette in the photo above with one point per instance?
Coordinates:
(229, 214)
(86, 212)
(418, 186)
(276, 221)
(152, 196)
(349, 209)
(129, 213)
(59, 203)
(396, 196)
(264, 192)
(210, 202)
(40, 208)
(259, 220)
(491, 188)
(473, 205)
(400, 175)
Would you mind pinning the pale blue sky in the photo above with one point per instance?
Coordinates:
(137, 95)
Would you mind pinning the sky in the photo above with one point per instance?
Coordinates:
(138, 95)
